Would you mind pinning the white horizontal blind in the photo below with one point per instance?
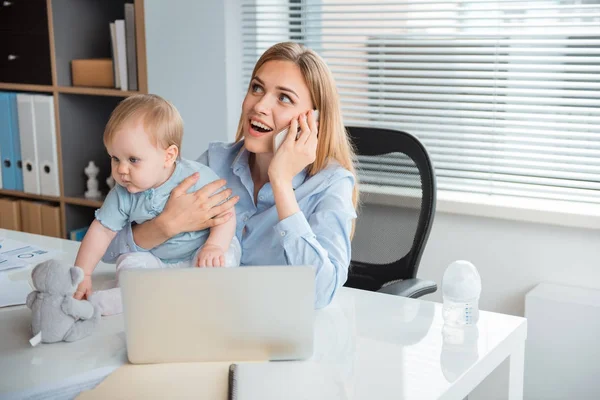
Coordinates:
(504, 94)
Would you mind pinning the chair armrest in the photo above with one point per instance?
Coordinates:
(412, 288)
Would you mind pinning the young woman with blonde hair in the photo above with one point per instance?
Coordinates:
(295, 206)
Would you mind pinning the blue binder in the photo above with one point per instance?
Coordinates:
(14, 118)
(10, 143)
(6, 147)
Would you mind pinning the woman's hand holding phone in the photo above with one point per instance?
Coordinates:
(280, 137)
(295, 152)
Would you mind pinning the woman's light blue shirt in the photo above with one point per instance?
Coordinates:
(318, 235)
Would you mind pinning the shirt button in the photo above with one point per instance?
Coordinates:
(245, 218)
(261, 197)
(282, 233)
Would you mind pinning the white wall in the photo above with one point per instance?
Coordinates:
(193, 61)
(512, 257)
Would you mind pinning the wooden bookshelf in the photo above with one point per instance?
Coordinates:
(23, 195)
(22, 87)
(55, 32)
(82, 201)
(80, 29)
(96, 91)
(79, 201)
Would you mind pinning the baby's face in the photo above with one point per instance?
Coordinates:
(137, 164)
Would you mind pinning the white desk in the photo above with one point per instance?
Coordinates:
(379, 346)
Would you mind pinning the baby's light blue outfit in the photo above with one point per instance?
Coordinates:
(120, 208)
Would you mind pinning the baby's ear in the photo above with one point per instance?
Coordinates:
(76, 275)
(171, 155)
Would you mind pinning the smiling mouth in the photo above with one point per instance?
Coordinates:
(259, 127)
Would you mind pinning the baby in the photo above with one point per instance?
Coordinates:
(143, 137)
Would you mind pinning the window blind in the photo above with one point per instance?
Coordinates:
(505, 95)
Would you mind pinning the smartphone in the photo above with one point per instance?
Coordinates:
(280, 137)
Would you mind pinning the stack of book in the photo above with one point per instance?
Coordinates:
(28, 144)
(123, 45)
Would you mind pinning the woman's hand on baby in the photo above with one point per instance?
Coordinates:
(84, 290)
(211, 255)
(295, 155)
(187, 212)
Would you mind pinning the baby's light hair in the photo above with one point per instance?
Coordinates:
(160, 118)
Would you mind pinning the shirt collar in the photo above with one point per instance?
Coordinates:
(167, 185)
(240, 163)
(299, 179)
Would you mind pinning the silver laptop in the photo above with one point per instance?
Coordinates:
(218, 314)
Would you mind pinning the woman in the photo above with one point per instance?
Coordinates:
(296, 206)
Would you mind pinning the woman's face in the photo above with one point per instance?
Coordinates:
(277, 94)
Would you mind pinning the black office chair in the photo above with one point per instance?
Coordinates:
(390, 258)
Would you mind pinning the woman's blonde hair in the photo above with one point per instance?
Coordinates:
(334, 142)
(161, 119)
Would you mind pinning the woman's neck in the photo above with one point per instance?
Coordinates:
(259, 170)
(259, 167)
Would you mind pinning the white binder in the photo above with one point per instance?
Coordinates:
(122, 52)
(31, 178)
(45, 133)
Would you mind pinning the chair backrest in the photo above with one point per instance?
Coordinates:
(390, 252)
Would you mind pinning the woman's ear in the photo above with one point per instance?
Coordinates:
(171, 155)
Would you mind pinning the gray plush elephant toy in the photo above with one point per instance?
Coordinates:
(57, 316)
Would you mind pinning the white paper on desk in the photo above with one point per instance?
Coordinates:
(15, 254)
(65, 390)
(13, 293)
(285, 380)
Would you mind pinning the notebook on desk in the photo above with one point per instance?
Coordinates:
(296, 380)
(218, 314)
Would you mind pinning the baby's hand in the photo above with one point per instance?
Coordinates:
(211, 255)
(84, 290)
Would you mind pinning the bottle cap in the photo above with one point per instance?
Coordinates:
(461, 282)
